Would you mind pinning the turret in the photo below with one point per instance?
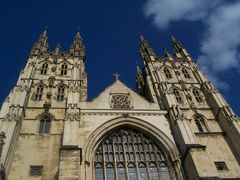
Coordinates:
(41, 46)
(167, 54)
(77, 48)
(140, 80)
(57, 50)
(179, 50)
(146, 51)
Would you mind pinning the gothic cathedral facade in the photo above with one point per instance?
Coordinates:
(176, 126)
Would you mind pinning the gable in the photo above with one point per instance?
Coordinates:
(119, 96)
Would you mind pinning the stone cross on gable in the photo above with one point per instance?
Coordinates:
(116, 76)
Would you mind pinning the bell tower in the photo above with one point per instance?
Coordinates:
(205, 129)
(49, 88)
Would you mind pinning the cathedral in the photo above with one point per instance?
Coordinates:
(175, 126)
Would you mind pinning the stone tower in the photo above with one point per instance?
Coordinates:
(178, 126)
(51, 85)
(205, 129)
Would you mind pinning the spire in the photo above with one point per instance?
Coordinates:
(143, 42)
(179, 50)
(176, 44)
(139, 80)
(167, 54)
(41, 46)
(138, 69)
(77, 48)
(57, 49)
(145, 50)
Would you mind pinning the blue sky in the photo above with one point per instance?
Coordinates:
(210, 30)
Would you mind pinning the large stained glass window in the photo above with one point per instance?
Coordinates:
(127, 154)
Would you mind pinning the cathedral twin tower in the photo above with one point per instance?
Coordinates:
(176, 126)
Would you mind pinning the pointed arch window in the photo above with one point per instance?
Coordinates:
(99, 171)
(64, 69)
(132, 174)
(60, 93)
(45, 124)
(186, 73)
(177, 95)
(44, 68)
(39, 93)
(167, 73)
(201, 124)
(121, 171)
(110, 171)
(164, 171)
(197, 95)
(142, 171)
(129, 163)
(153, 171)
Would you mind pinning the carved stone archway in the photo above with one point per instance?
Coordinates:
(167, 146)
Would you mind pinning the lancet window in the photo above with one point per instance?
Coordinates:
(60, 93)
(197, 95)
(64, 69)
(201, 124)
(44, 68)
(129, 155)
(167, 73)
(39, 93)
(45, 123)
(186, 73)
(177, 95)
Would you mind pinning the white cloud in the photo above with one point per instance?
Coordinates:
(164, 12)
(221, 41)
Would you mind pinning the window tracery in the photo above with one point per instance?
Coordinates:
(197, 95)
(44, 68)
(121, 101)
(36, 170)
(177, 95)
(201, 124)
(60, 93)
(129, 155)
(39, 93)
(45, 123)
(167, 73)
(186, 73)
(64, 69)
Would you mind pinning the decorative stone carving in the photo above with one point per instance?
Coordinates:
(177, 73)
(183, 85)
(189, 97)
(36, 170)
(11, 117)
(207, 85)
(47, 106)
(75, 86)
(51, 81)
(228, 112)
(53, 69)
(23, 86)
(49, 94)
(55, 60)
(120, 101)
(164, 88)
(76, 64)
(177, 112)
(31, 63)
(2, 137)
(72, 116)
(45, 115)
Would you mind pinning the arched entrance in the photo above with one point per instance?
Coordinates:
(129, 149)
(127, 154)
